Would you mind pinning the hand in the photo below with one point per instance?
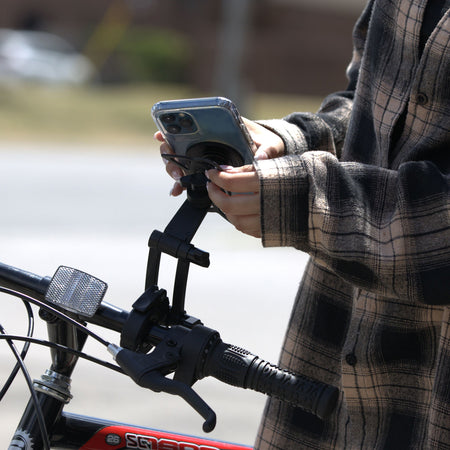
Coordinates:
(172, 169)
(268, 144)
(241, 204)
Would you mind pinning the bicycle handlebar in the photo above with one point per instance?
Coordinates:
(27, 282)
(200, 352)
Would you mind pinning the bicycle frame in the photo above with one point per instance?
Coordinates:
(86, 433)
(93, 434)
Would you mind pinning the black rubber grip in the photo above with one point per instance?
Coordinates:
(238, 367)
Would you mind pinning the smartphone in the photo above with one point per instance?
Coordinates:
(201, 130)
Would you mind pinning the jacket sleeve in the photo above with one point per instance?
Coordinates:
(379, 229)
(385, 231)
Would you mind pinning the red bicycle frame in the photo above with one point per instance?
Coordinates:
(117, 437)
(93, 434)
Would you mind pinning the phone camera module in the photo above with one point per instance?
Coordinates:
(186, 121)
(168, 118)
(173, 128)
(178, 123)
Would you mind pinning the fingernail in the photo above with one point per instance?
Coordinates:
(176, 175)
(260, 155)
(226, 167)
(173, 187)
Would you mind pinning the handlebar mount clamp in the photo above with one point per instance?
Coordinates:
(151, 308)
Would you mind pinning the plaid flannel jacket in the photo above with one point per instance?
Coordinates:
(364, 189)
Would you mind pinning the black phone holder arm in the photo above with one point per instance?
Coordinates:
(152, 307)
(176, 241)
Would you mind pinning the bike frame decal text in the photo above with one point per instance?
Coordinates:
(129, 437)
(150, 442)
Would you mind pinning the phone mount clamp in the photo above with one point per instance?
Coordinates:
(152, 307)
(182, 332)
(175, 241)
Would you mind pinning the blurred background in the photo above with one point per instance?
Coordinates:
(82, 183)
(269, 56)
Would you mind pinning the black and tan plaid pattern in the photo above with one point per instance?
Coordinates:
(364, 189)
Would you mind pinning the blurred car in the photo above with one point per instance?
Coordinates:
(41, 57)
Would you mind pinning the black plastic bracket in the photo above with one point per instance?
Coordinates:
(175, 241)
(151, 308)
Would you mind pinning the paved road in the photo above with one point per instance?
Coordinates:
(93, 208)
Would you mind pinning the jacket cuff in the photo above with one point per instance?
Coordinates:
(294, 140)
(284, 202)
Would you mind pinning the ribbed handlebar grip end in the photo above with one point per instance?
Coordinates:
(313, 396)
(238, 367)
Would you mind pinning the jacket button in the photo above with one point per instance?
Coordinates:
(351, 359)
(422, 99)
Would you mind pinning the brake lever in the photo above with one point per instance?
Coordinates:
(149, 370)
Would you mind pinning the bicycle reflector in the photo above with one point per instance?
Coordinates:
(76, 291)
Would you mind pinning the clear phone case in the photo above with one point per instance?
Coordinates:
(209, 128)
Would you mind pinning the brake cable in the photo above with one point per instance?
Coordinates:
(24, 351)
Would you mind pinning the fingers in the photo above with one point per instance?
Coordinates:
(177, 189)
(171, 168)
(241, 201)
(268, 144)
(159, 136)
(235, 179)
(242, 210)
(234, 204)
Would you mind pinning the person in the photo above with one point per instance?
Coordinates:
(363, 187)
